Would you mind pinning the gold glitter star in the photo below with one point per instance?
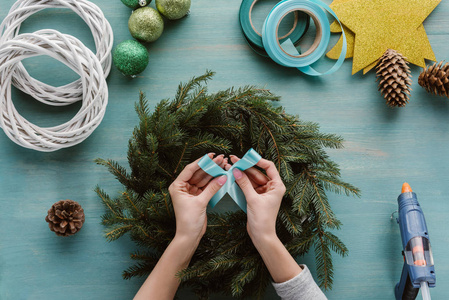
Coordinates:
(415, 57)
(378, 25)
(334, 53)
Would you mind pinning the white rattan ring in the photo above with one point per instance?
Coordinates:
(73, 53)
(102, 34)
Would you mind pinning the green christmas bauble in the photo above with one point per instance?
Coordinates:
(136, 3)
(146, 24)
(173, 9)
(130, 57)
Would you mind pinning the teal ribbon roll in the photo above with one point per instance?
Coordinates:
(286, 54)
(230, 187)
(254, 38)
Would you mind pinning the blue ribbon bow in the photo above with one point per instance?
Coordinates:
(230, 187)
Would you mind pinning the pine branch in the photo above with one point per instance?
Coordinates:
(114, 209)
(142, 108)
(335, 243)
(323, 260)
(224, 261)
(184, 89)
(242, 278)
(322, 205)
(301, 244)
(206, 141)
(301, 197)
(118, 171)
(138, 270)
(289, 221)
(337, 186)
(116, 231)
(181, 158)
(261, 283)
(146, 256)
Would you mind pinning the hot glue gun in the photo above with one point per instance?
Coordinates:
(418, 270)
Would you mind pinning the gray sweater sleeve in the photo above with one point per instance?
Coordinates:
(301, 287)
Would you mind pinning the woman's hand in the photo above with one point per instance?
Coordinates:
(190, 193)
(263, 196)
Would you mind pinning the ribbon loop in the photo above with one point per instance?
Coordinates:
(230, 187)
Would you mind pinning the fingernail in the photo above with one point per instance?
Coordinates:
(222, 179)
(237, 173)
(221, 155)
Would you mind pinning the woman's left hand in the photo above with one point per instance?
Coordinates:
(190, 194)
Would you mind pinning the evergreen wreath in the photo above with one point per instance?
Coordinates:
(231, 121)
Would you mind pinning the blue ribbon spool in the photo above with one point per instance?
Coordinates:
(254, 38)
(286, 54)
(230, 187)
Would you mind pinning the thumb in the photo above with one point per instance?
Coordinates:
(243, 181)
(213, 187)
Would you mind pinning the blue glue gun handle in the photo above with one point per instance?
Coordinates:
(418, 261)
(404, 289)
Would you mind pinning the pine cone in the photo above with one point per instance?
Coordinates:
(65, 217)
(435, 79)
(393, 74)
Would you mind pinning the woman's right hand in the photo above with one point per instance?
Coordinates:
(263, 196)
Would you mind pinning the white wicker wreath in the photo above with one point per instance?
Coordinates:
(73, 53)
(102, 34)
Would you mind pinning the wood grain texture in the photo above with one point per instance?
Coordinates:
(384, 148)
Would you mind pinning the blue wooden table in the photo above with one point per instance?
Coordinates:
(384, 147)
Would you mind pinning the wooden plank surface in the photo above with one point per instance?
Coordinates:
(384, 148)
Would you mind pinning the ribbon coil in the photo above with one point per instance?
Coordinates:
(254, 38)
(230, 187)
(284, 52)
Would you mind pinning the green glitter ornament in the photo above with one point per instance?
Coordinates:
(136, 3)
(146, 24)
(173, 9)
(130, 57)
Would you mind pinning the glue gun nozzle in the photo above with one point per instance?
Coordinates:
(406, 188)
